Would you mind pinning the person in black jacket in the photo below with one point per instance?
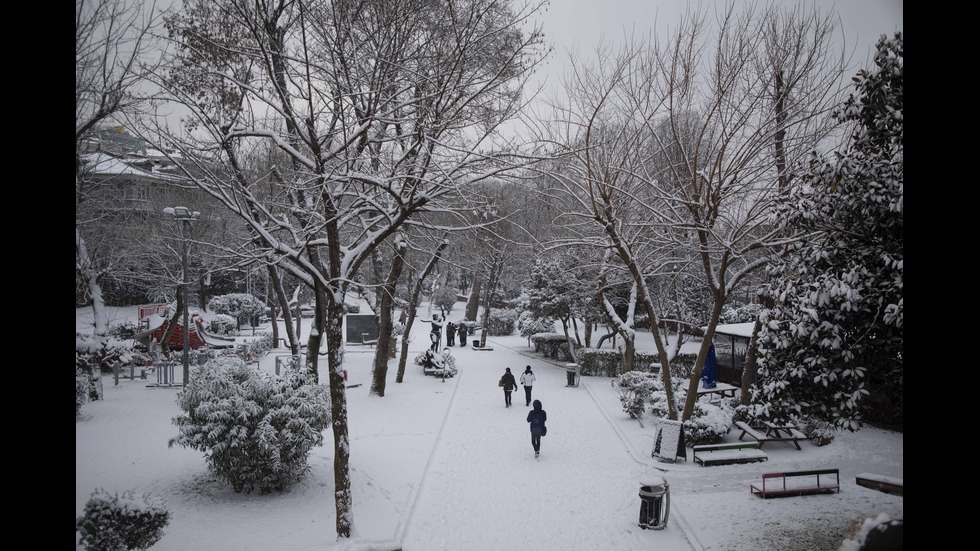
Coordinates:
(509, 384)
(450, 334)
(537, 417)
(462, 330)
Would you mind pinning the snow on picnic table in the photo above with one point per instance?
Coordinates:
(445, 466)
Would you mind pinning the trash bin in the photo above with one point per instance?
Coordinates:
(571, 375)
(654, 504)
(476, 343)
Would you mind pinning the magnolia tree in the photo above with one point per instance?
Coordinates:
(835, 333)
(371, 113)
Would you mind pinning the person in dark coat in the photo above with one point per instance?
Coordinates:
(509, 384)
(462, 333)
(537, 417)
(450, 334)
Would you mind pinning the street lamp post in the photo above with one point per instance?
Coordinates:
(185, 216)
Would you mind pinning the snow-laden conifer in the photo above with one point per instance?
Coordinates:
(256, 429)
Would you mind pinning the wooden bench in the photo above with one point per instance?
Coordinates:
(726, 454)
(775, 484)
(368, 342)
(772, 433)
(882, 483)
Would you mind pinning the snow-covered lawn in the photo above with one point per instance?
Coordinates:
(445, 466)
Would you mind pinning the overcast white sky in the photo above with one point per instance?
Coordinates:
(568, 23)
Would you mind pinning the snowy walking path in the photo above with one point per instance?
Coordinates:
(484, 489)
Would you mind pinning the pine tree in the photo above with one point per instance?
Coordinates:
(831, 348)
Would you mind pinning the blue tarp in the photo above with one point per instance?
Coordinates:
(709, 375)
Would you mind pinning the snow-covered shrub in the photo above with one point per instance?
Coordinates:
(709, 423)
(241, 306)
(261, 345)
(255, 428)
(870, 533)
(608, 363)
(121, 522)
(123, 331)
(552, 345)
(222, 324)
(744, 313)
(820, 433)
(600, 362)
(529, 325)
(502, 322)
(104, 351)
(635, 388)
(82, 384)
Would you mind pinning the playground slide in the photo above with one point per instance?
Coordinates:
(209, 339)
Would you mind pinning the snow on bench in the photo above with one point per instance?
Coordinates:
(882, 483)
(726, 454)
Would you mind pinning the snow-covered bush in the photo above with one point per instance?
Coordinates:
(819, 432)
(241, 306)
(222, 324)
(261, 345)
(125, 330)
(871, 533)
(104, 351)
(529, 325)
(635, 388)
(255, 428)
(552, 345)
(121, 522)
(598, 362)
(709, 423)
(82, 384)
(502, 322)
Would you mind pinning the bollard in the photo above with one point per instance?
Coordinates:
(654, 504)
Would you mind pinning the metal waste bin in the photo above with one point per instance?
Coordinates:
(654, 504)
(476, 343)
(571, 374)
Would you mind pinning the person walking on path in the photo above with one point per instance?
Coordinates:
(450, 334)
(527, 379)
(462, 329)
(537, 417)
(509, 384)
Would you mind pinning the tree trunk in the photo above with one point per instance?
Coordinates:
(387, 292)
(629, 353)
(473, 303)
(287, 317)
(273, 308)
(751, 371)
(692, 387)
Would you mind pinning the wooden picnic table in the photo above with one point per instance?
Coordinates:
(720, 389)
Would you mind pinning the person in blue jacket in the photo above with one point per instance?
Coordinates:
(537, 417)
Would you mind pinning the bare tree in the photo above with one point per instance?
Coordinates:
(112, 60)
(381, 108)
(677, 152)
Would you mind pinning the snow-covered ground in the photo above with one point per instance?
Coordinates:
(445, 466)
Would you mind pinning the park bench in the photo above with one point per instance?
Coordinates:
(772, 433)
(726, 454)
(366, 341)
(882, 483)
(797, 483)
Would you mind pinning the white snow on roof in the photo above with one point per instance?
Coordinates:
(107, 164)
(737, 329)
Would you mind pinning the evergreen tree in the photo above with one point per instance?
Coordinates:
(831, 348)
